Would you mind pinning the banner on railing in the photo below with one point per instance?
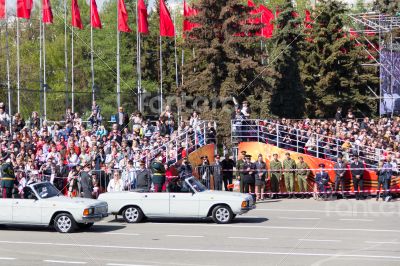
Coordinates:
(267, 150)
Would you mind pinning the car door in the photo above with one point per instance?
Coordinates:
(5, 210)
(27, 210)
(155, 204)
(184, 204)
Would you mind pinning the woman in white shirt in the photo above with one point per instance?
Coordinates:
(115, 184)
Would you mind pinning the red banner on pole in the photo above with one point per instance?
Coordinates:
(94, 15)
(76, 15)
(123, 17)
(47, 14)
(143, 25)
(167, 28)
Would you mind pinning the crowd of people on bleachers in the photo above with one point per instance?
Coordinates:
(64, 150)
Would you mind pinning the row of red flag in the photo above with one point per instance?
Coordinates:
(24, 8)
(266, 16)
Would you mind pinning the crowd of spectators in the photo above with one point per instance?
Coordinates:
(371, 139)
(63, 150)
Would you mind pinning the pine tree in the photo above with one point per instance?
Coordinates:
(390, 7)
(331, 71)
(288, 97)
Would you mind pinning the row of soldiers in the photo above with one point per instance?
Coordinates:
(253, 176)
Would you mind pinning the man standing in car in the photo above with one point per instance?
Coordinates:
(8, 180)
(143, 178)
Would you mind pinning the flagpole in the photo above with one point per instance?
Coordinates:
(18, 69)
(161, 77)
(44, 73)
(72, 71)
(8, 74)
(176, 56)
(41, 69)
(138, 56)
(66, 54)
(183, 60)
(118, 70)
(91, 50)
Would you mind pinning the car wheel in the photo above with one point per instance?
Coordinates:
(132, 214)
(85, 226)
(64, 223)
(222, 214)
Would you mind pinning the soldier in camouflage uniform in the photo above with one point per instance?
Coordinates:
(275, 167)
(289, 167)
(239, 168)
(302, 175)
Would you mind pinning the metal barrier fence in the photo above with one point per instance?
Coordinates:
(317, 145)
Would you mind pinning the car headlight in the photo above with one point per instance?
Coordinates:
(244, 204)
(88, 211)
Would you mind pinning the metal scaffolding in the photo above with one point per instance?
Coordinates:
(383, 26)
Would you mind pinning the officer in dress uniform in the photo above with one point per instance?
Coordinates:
(158, 170)
(204, 171)
(143, 178)
(322, 178)
(239, 167)
(275, 167)
(261, 174)
(289, 167)
(248, 175)
(8, 180)
(302, 175)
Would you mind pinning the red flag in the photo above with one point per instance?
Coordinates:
(24, 8)
(167, 28)
(143, 25)
(308, 20)
(187, 12)
(2, 9)
(47, 15)
(76, 15)
(94, 15)
(266, 18)
(122, 17)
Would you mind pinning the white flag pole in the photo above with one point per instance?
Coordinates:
(118, 67)
(18, 69)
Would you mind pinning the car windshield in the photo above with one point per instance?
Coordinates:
(46, 190)
(199, 187)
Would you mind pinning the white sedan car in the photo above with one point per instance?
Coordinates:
(192, 201)
(44, 205)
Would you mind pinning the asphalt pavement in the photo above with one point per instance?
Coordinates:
(278, 232)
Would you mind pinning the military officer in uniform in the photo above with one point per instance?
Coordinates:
(158, 170)
(275, 167)
(239, 167)
(248, 175)
(302, 175)
(8, 180)
(289, 167)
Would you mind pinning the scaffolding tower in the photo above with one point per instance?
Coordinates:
(388, 59)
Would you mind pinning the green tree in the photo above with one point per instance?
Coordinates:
(288, 97)
(331, 71)
(387, 6)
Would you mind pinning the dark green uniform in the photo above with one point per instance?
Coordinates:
(302, 175)
(275, 167)
(240, 167)
(289, 165)
(158, 178)
(7, 180)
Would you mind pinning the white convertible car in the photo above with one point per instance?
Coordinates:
(192, 201)
(43, 205)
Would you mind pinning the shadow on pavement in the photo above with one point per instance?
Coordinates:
(50, 229)
(238, 219)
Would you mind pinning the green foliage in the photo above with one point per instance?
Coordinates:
(390, 7)
(331, 69)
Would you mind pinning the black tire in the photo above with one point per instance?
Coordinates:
(85, 226)
(132, 214)
(64, 223)
(222, 214)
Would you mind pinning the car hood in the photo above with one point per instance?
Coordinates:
(77, 201)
